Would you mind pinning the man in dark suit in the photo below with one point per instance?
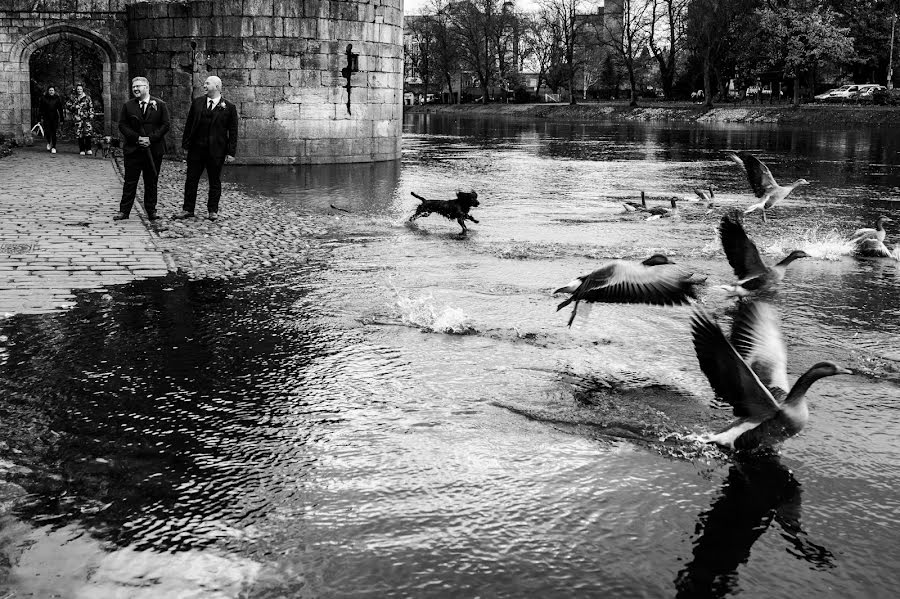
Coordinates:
(143, 123)
(210, 140)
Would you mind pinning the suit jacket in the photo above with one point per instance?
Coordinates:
(223, 129)
(154, 124)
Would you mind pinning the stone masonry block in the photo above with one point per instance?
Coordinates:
(227, 27)
(228, 8)
(202, 9)
(303, 78)
(280, 61)
(287, 46)
(265, 26)
(303, 28)
(313, 8)
(260, 8)
(288, 8)
(273, 77)
(287, 112)
(257, 110)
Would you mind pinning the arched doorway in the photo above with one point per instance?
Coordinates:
(114, 72)
(63, 64)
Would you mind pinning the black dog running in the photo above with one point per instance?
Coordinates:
(457, 209)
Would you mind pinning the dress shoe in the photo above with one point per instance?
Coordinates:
(213, 215)
(152, 216)
(90, 152)
(81, 153)
(183, 215)
(120, 216)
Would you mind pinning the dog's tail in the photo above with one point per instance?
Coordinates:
(418, 197)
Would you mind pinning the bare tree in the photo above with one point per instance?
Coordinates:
(474, 24)
(627, 34)
(566, 22)
(667, 22)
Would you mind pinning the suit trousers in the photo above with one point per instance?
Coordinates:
(197, 162)
(137, 163)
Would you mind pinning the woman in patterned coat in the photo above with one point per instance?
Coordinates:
(82, 108)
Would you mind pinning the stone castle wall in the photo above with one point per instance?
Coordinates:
(280, 62)
(28, 25)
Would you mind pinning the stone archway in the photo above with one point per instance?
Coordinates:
(115, 72)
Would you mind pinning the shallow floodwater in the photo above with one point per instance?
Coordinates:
(404, 413)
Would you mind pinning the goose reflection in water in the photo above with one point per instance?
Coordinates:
(758, 489)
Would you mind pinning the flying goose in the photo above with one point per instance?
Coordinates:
(654, 281)
(708, 197)
(872, 248)
(750, 373)
(877, 233)
(763, 183)
(743, 256)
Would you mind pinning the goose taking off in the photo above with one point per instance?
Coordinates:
(877, 233)
(750, 373)
(763, 183)
(656, 280)
(743, 256)
(708, 197)
(872, 248)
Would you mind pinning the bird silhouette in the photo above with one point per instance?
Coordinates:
(764, 185)
(743, 256)
(749, 371)
(656, 280)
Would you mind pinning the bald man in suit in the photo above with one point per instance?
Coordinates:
(210, 140)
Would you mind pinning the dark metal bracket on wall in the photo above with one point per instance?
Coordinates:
(347, 71)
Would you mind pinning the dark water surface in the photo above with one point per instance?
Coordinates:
(405, 414)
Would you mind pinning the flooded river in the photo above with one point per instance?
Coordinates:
(403, 413)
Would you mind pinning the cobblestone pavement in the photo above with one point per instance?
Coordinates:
(57, 232)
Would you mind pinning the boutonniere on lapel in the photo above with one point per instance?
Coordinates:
(152, 104)
(221, 105)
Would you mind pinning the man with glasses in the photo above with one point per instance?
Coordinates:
(143, 123)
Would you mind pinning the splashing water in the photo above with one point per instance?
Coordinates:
(825, 245)
(423, 313)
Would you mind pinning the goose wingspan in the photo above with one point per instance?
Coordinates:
(863, 234)
(872, 248)
(756, 336)
(703, 194)
(730, 377)
(742, 254)
(758, 174)
(629, 283)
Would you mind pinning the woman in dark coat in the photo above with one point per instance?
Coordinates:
(51, 114)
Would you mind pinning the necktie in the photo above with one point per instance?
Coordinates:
(210, 105)
(143, 107)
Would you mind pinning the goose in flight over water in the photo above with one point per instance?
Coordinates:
(749, 371)
(877, 233)
(763, 183)
(656, 280)
(743, 256)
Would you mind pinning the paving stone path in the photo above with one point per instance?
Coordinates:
(57, 232)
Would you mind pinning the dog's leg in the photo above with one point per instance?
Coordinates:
(462, 223)
(469, 216)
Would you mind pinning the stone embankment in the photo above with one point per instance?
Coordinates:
(252, 232)
(813, 114)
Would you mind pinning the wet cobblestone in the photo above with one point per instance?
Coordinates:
(57, 232)
(252, 232)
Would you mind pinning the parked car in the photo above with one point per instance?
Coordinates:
(843, 93)
(865, 91)
(823, 97)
